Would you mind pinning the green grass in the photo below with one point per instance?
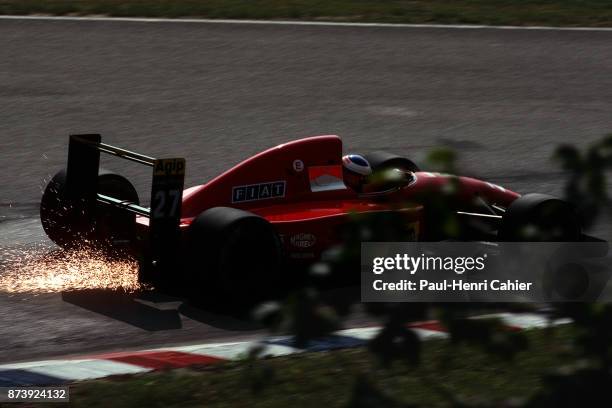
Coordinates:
(327, 379)
(496, 12)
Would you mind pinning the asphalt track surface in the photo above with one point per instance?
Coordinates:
(218, 93)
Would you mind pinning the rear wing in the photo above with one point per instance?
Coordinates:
(161, 251)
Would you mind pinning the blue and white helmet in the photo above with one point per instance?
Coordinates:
(357, 164)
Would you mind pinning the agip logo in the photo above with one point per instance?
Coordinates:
(169, 167)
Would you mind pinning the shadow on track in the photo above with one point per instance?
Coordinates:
(125, 307)
(154, 311)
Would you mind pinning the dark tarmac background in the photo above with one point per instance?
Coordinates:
(218, 93)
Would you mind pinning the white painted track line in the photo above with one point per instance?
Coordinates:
(232, 350)
(87, 370)
(294, 23)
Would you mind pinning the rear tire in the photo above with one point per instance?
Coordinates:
(115, 227)
(65, 224)
(235, 256)
(540, 217)
(58, 216)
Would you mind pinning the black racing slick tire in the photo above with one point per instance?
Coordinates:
(63, 219)
(540, 217)
(59, 218)
(115, 227)
(235, 256)
(380, 161)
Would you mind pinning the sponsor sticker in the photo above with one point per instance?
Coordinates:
(298, 165)
(260, 191)
(169, 167)
(303, 240)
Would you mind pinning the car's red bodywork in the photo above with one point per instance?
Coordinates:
(298, 188)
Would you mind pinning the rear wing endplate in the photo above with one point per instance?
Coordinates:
(166, 197)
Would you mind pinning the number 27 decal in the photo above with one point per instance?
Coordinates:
(166, 203)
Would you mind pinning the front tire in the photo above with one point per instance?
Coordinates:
(540, 217)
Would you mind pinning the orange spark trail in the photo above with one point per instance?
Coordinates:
(31, 271)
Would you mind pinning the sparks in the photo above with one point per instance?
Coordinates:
(43, 271)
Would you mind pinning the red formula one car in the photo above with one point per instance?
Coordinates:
(287, 204)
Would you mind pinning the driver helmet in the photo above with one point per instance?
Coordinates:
(356, 170)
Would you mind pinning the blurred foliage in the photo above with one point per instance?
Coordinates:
(258, 374)
(582, 382)
(304, 314)
(491, 335)
(586, 188)
(367, 395)
(443, 160)
(586, 381)
(448, 375)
